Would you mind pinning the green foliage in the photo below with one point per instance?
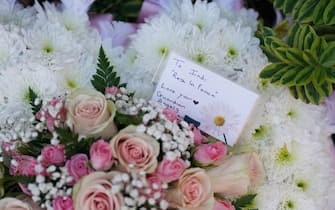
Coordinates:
(242, 202)
(105, 76)
(309, 11)
(34, 147)
(72, 143)
(304, 63)
(121, 10)
(32, 96)
(123, 120)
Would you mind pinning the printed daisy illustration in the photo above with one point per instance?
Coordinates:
(220, 120)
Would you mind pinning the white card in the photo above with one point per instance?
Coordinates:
(219, 105)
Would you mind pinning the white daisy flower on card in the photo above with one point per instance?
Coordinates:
(219, 120)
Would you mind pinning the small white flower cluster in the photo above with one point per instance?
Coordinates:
(176, 137)
(137, 192)
(46, 188)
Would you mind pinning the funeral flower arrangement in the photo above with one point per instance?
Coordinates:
(74, 136)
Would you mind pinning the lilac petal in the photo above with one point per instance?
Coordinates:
(102, 23)
(230, 4)
(81, 6)
(121, 32)
(330, 105)
(148, 9)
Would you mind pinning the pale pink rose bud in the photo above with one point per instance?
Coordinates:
(223, 205)
(53, 155)
(25, 165)
(101, 155)
(112, 90)
(77, 166)
(207, 154)
(198, 137)
(169, 170)
(170, 114)
(62, 203)
(236, 174)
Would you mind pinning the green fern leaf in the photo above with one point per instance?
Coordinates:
(105, 76)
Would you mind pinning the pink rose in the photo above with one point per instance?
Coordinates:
(101, 155)
(14, 204)
(62, 203)
(170, 114)
(90, 114)
(53, 155)
(198, 137)
(223, 205)
(194, 191)
(77, 166)
(207, 154)
(52, 114)
(112, 90)
(135, 151)
(236, 174)
(94, 192)
(155, 185)
(25, 165)
(169, 170)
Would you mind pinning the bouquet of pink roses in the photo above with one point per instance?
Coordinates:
(105, 149)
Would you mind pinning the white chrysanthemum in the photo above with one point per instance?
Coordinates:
(201, 14)
(156, 39)
(14, 89)
(51, 44)
(282, 197)
(240, 45)
(203, 49)
(284, 110)
(76, 75)
(13, 14)
(11, 46)
(220, 120)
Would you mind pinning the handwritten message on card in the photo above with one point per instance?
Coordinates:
(220, 106)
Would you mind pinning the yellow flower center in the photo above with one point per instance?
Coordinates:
(219, 121)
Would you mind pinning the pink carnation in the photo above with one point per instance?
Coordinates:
(112, 90)
(50, 116)
(25, 165)
(77, 166)
(155, 185)
(53, 155)
(101, 155)
(210, 153)
(169, 170)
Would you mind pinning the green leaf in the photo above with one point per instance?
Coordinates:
(105, 76)
(329, 13)
(32, 99)
(270, 70)
(243, 201)
(312, 94)
(304, 76)
(288, 78)
(123, 120)
(328, 56)
(318, 11)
